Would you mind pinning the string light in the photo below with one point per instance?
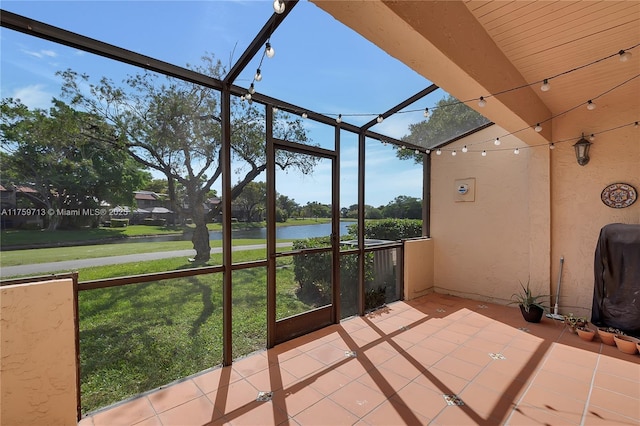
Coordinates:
(339, 119)
(590, 105)
(258, 76)
(636, 125)
(426, 113)
(269, 50)
(438, 151)
(252, 89)
(465, 149)
(484, 153)
(278, 6)
(304, 115)
(482, 103)
(592, 137)
(552, 146)
(428, 151)
(404, 147)
(248, 96)
(538, 128)
(379, 119)
(454, 153)
(545, 85)
(275, 109)
(516, 151)
(496, 142)
(417, 151)
(624, 56)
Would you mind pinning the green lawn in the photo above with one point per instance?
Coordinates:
(137, 337)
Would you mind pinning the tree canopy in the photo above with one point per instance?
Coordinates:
(174, 127)
(450, 118)
(62, 154)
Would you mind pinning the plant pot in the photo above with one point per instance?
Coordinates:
(586, 334)
(606, 337)
(626, 344)
(534, 314)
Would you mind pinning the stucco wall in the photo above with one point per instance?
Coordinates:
(484, 248)
(38, 367)
(418, 268)
(529, 210)
(578, 213)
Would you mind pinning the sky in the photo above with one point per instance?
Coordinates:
(320, 65)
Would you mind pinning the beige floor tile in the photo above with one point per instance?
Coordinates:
(357, 398)
(174, 395)
(325, 412)
(392, 412)
(127, 413)
(196, 412)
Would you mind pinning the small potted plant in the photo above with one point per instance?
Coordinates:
(574, 323)
(585, 333)
(606, 335)
(532, 309)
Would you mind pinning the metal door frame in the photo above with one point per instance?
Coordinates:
(297, 325)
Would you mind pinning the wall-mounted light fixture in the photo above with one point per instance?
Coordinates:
(582, 150)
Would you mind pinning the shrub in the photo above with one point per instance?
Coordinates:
(389, 229)
(154, 222)
(119, 223)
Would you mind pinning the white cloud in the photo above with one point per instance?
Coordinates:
(34, 96)
(41, 53)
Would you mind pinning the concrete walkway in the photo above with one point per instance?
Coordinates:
(74, 265)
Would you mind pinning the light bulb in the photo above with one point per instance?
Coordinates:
(454, 153)
(252, 89)
(258, 76)
(496, 142)
(482, 103)
(275, 109)
(590, 105)
(538, 128)
(426, 112)
(248, 96)
(552, 146)
(339, 119)
(304, 115)
(278, 6)
(242, 98)
(624, 56)
(403, 147)
(484, 153)
(428, 151)
(516, 151)
(379, 119)
(417, 151)
(545, 85)
(635, 125)
(592, 137)
(464, 149)
(438, 151)
(269, 50)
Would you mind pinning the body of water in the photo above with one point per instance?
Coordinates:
(286, 232)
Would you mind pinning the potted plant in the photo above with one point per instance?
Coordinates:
(585, 333)
(606, 335)
(626, 344)
(574, 322)
(530, 306)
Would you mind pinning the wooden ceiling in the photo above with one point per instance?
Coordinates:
(475, 48)
(543, 39)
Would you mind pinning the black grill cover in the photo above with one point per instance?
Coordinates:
(616, 293)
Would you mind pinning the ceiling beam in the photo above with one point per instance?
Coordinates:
(443, 41)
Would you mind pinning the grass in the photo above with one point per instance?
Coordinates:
(137, 337)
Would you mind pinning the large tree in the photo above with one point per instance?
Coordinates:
(61, 154)
(174, 127)
(450, 118)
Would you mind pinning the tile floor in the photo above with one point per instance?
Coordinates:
(437, 360)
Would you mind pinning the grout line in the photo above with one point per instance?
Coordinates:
(593, 379)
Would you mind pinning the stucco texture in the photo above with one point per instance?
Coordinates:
(38, 369)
